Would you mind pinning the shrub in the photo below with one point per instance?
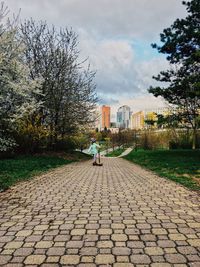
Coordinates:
(65, 144)
(7, 144)
(150, 139)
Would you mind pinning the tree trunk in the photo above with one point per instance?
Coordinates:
(194, 137)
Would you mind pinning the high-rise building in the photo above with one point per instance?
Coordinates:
(123, 117)
(105, 116)
(137, 120)
(151, 116)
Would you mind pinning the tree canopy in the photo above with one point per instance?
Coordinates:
(46, 92)
(181, 44)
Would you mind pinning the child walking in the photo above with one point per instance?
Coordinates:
(93, 149)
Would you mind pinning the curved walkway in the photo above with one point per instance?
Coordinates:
(117, 215)
(126, 152)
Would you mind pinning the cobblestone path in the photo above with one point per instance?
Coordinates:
(116, 215)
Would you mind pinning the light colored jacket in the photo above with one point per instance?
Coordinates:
(93, 148)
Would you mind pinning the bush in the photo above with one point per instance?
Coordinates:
(81, 141)
(181, 144)
(166, 139)
(150, 139)
(7, 144)
(184, 140)
(31, 137)
(66, 144)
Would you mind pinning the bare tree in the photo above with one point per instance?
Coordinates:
(68, 88)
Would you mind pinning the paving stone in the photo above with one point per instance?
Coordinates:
(18, 259)
(105, 244)
(7, 252)
(29, 245)
(55, 251)
(8, 224)
(194, 225)
(91, 251)
(157, 258)
(143, 226)
(78, 232)
(154, 251)
(59, 244)
(177, 237)
(23, 251)
(132, 222)
(123, 265)
(52, 259)
(187, 250)
(140, 259)
(104, 259)
(92, 226)
(35, 259)
(72, 251)
(13, 244)
(5, 259)
(74, 244)
(194, 242)
(135, 244)
(180, 265)
(44, 244)
(159, 231)
(117, 226)
(49, 265)
(166, 244)
(87, 259)
(14, 265)
(181, 243)
(160, 264)
(62, 238)
(48, 232)
(33, 238)
(105, 231)
(24, 233)
(105, 251)
(70, 259)
(194, 264)
(123, 259)
(148, 237)
(5, 239)
(120, 251)
(175, 258)
(41, 227)
(87, 265)
(170, 250)
(119, 237)
(193, 258)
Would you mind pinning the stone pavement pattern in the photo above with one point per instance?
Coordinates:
(116, 215)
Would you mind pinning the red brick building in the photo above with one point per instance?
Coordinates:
(105, 116)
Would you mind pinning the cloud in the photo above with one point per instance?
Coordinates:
(112, 60)
(118, 72)
(146, 69)
(115, 35)
(108, 101)
(135, 18)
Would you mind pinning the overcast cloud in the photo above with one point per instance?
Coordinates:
(116, 36)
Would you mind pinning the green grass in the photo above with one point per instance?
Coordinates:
(181, 166)
(24, 167)
(115, 153)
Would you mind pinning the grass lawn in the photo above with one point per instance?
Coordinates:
(115, 153)
(24, 167)
(181, 166)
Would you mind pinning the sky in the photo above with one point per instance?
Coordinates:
(116, 37)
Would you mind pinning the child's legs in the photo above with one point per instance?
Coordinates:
(95, 157)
